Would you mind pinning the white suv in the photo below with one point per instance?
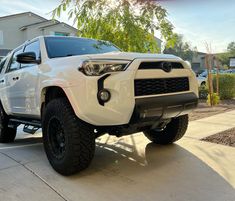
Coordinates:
(77, 89)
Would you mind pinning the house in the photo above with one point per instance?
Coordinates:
(18, 28)
(198, 61)
(232, 62)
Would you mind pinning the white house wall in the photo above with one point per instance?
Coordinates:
(10, 26)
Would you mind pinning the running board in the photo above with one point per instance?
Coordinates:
(17, 122)
(30, 127)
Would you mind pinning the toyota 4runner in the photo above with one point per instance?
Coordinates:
(77, 89)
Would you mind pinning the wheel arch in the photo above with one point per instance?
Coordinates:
(1, 106)
(49, 93)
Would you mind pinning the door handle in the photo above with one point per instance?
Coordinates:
(15, 78)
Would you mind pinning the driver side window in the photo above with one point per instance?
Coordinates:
(14, 65)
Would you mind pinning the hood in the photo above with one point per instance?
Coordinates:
(130, 56)
(110, 55)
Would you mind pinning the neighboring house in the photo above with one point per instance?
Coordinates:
(198, 61)
(18, 28)
(232, 62)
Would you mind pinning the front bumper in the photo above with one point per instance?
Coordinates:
(123, 103)
(164, 107)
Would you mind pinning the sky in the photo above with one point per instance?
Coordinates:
(203, 21)
(199, 21)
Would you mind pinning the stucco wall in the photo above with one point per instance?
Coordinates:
(59, 28)
(12, 36)
(35, 31)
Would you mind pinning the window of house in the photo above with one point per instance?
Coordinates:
(1, 38)
(61, 34)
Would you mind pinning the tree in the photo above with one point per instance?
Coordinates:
(231, 48)
(225, 57)
(181, 49)
(130, 24)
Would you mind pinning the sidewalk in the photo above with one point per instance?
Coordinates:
(128, 168)
(211, 125)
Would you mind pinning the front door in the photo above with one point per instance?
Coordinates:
(21, 82)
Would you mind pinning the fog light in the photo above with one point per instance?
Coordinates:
(104, 95)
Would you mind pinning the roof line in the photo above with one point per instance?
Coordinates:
(201, 52)
(49, 25)
(43, 27)
(24, 13)
(44, 20)
(37, 23)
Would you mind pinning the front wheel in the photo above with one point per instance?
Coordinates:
(69, 142)
(173, 131)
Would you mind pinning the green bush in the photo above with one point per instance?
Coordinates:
(215, 99)
(226, 86)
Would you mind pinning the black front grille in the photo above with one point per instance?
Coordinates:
(158, 65)
(144, 87)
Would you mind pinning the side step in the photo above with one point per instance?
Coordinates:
(29, 126)
(30, 129)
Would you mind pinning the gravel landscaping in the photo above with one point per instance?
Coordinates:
(204, 110)
(226, 138)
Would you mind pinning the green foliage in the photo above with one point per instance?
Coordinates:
(231, 48)
(215, 99)
(225, 57)
(130, 24)
(181, 49)
(226, 86)
(203, 92)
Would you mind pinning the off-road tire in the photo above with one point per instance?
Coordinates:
(174, 131)
(79, 138)
(7, 134)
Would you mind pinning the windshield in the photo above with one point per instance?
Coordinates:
(66, 46)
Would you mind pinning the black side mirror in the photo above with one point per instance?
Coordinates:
(27, 58)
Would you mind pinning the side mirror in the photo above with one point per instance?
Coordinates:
(27, 58)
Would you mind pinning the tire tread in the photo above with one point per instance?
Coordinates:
(174, 131)
(80, 134)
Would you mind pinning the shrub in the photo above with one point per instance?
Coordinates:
(215, 99)
(226, 86)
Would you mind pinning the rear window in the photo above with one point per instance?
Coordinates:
(66, 46)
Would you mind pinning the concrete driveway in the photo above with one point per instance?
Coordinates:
(128, 168)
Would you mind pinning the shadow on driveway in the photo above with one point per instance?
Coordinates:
(131, 168)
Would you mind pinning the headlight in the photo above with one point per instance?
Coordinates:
(99, 67)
